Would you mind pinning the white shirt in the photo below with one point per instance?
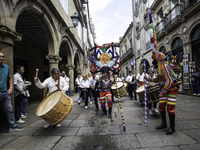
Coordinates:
(93, 81)
(19, 82)
(51, 84)
(140, 77)
(129, 79)
(66, 79)
(118, 79)
(85, 84)
(78, 81)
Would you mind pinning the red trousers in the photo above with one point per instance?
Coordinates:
(105, 96)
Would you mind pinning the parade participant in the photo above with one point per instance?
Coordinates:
(85, 86)
(116, 78)
(94, 83)
(105, 94)
(169, 92)
(196, 76)
(152, 75)
(122, 78)
(90, 90)
(131, 80)
(19, 92)
(63, 73)
(5, 93)
(77, 83)
(52, 83)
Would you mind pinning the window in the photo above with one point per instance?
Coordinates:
(79, 30)
(64, 3)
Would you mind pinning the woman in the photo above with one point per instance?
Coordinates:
(85, 86)
(122, 78)
(77, 83)
(152, 75)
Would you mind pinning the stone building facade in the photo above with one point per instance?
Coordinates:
(40, 34)
(177, 24)
(126, 51)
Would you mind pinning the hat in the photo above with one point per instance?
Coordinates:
(130, 72)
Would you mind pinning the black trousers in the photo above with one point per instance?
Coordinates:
(96, 95)
(131, 89)
(18, 101)
(85, 94)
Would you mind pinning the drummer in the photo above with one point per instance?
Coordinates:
(152, 75)
(52, 83)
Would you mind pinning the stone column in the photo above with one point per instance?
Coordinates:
(70, 68)
(7, 39)
(53, 61)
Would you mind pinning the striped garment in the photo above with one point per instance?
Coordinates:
(165, 73)
(105, 84)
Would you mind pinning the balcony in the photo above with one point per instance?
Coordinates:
(127, 55)
(173, 18)
(155, 4)
(189, 8)
(160, 29)
(148, 45)
(139, 52)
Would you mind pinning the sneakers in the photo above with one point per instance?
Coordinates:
(91, 102)
(58, 125)
(198, 95)
(79, 102)
(16, 128)
(194, 94)
(150, 112)
(86, 107)
(46, 126)
(23, 116)
(20, 121)
(156, 110)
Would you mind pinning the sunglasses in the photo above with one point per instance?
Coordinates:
(2, 56)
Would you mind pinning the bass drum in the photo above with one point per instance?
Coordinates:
(120, 86)
(55, 107)
(126, 85)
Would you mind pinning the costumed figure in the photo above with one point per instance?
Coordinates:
(104, 59)
(169, 92)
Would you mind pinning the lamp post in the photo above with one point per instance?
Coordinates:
(75, 20)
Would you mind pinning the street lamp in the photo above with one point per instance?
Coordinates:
(75, 20)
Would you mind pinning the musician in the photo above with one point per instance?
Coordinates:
(94, 83)
(85, 89)
(91, 96)
(168, 93)
(131, 80)
(77, 83)
(152, 75)
(52, 83)
(116, 78)
(122, 78)
(140, 79)
(105, 94)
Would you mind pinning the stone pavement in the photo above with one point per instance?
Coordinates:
(83, 130)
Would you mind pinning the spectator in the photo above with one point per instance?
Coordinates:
(196, 76)
(77, 83)
(90, 89)
(85, 86)
(5, 100)
(66, 79)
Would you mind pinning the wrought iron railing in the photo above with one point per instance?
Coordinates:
(187, 5)
(146, 18)
(139, 52)
(128, 53)
(173, 15)
(136, 5)
(160, 27)
(137, 28)
(148, 45)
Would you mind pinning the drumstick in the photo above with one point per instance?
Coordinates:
(36, 72)
(145, 92)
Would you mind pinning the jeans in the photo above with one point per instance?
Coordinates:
(79, 92)
(7, 107)
(24, 105)
(197, 86)
(91, 96)
(132, 88)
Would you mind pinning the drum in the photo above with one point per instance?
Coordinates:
(152, 93)
(55, 107)
(120, 86)
(126, 85)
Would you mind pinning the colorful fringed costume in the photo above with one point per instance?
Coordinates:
(104, 59)
(169, 91)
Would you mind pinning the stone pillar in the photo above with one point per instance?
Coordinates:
(53, 61)
(79, 71)
(7, 38)
(70, 68)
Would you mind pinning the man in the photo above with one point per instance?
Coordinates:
(5, 100)
(77, 83)
(132, 87)
(66, 79)
(105, 94)
(19, 91)
(90, 90)
(94, 86)
(52, 83)
(140, 80)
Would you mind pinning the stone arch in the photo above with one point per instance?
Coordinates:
(162, 49)
(177, 45)
(43, 17)
(2, 14)
(191, 29)
(77, 61)
(195, 44)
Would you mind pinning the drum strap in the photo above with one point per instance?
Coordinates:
(58, 82)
